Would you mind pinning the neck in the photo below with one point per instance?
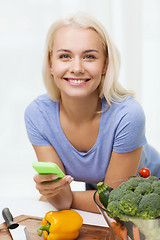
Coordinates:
(80, 110)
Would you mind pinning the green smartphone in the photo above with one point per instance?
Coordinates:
(48, 168)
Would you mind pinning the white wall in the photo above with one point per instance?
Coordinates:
(133, 25)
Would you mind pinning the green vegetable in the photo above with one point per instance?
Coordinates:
(152, 179)
(43, 228)
(156, 186)
(104, 191)
(144, 188)
(113, 207)
(128, 205)
(131, 184)
(138, 197)
(149, 206)
(118, 194)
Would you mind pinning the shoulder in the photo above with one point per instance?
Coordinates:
(130, 108)
(130, 126)
(42, 105)
(130, 117)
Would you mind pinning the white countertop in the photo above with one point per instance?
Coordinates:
(37, 208)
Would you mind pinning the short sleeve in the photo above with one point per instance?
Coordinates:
(34, 125)
(130, 131)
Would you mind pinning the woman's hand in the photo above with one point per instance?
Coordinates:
(58, 193)
(49, 188)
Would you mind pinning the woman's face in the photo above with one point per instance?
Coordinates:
(77, 61)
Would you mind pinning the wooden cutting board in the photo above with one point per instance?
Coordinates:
(87, 232)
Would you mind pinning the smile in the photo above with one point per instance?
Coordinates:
(76, 81)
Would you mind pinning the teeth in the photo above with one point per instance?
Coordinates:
(76, 81)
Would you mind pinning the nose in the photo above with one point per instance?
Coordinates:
(77, 66)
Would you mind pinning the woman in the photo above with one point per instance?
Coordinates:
(87, 124)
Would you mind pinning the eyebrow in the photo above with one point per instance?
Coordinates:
(86, 51)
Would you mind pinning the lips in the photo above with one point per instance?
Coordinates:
(77, 80)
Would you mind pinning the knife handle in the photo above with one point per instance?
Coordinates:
(9, 219)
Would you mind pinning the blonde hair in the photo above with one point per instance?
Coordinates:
(109, 86)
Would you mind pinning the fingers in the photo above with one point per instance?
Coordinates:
(49, 188)
(44, 178)
(50, 192)
(50, 177)
(68, 179)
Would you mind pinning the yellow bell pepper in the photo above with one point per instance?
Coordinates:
(61, 225)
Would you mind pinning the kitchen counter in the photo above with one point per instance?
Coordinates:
(37, 208)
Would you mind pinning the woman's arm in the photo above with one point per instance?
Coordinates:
(58, 193)
(121, 166)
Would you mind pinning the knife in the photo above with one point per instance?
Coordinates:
(17, 232)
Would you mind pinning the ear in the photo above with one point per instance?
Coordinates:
(105, 67)
(51, 70)
(50, 62)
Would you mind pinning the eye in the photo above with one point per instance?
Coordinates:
(89, 56)
(64, 56)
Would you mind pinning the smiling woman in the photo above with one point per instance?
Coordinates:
(78, 64)
(87, 124)
(84, 22)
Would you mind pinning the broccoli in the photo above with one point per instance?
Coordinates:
(129, 203)
(138, 201)
(149, 206)
(144, 188)
(138, 197)
(113, 207)
(156, 186)
(115, 194)
(151, 179)
(131, 184)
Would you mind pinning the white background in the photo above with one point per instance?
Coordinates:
(134, 26)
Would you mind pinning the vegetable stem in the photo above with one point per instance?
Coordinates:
(43, 228)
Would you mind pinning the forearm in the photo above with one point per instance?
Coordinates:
(83, 200)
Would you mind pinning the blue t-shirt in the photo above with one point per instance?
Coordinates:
(122, 129)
